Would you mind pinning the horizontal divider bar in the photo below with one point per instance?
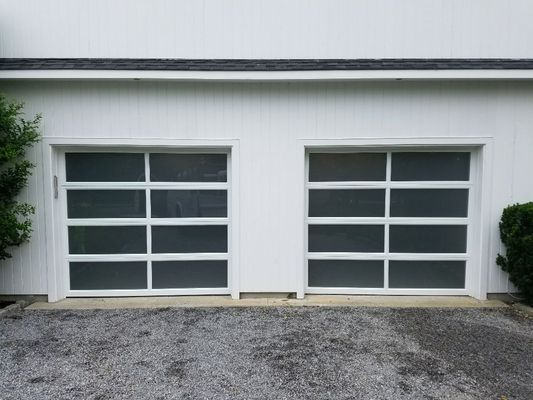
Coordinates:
(346, 256)
(188, 257)
(146, 185)
(147, 257)
(187, 221)
(392, 185)
(107, 222)
(390, 291)
(146, 221)
(390, 256)
(385, 220)
(145, 292)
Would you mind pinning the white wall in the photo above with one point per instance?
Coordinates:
(268, 118)
(266, 29)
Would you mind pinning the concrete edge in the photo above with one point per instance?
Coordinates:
(308, 301)
(10, 310)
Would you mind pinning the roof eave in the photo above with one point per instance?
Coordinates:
(330, 75)
(156, 75)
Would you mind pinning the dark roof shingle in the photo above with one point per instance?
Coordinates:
(162, 64)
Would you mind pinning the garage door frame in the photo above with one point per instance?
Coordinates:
(478, 236)
(55, 208)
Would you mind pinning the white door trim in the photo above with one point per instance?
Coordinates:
(479, 205)
(53, 147)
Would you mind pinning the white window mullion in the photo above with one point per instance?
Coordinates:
(387, 218)
(106, 221)
(347, 185)
(143, 185)
(148, 222)
(346, 221)
(344, 256)
(187, 221)
(189, 185)
(188, 256)
(391, 184)
(428, 256)
(107, 257)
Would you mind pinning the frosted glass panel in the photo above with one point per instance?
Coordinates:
(346, 238)
(106, 203)
(347, 203)
(104, 167)
(189, 203)
(427, 238)
(325, 167)
(421, 166)
(189, 274)
(346, 273)
(436, 203)
(190, 239)
(427, 274)
(107, 275)
(107, 239)
(188, 167)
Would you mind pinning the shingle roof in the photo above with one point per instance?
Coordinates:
(164, 64)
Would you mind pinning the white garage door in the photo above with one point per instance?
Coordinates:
(388, 221)
(141, 223)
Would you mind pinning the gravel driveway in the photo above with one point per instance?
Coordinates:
(267, 353)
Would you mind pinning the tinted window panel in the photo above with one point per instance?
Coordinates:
(188, 167)
(427, 274)
(345, 273)
(190, 239)
(189, 203)
(106, 203)
(427, 239)
(346, 238)
(104, 167)
(189, 274)
(107, 275)
(430, 166)
(429, 203)
(324, 167)
(107, 239)
(347, 203)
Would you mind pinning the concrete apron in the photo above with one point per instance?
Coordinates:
(269, 301)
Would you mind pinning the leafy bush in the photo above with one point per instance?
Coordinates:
(516, 231)
(16, 136)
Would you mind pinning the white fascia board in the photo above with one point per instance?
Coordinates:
(484, 74)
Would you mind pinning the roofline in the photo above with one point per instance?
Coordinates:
(264, 69)
(246, 64)
(261, 76)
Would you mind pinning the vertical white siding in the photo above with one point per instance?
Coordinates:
(268, 118)
(25, 273)
(266, 29)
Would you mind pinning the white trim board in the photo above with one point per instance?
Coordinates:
(55, 214)
(262, 76)
(478, 238)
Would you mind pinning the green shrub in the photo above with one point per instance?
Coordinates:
(16, 136)
(516, 231)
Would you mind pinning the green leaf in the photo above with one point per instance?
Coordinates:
(17, 135)
(516, 232)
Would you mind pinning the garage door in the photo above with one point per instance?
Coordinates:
(388, 221)
(140, 223)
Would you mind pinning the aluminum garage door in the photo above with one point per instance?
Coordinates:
(387, 221)
(142, 223)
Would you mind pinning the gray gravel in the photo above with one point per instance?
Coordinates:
(267, 353)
